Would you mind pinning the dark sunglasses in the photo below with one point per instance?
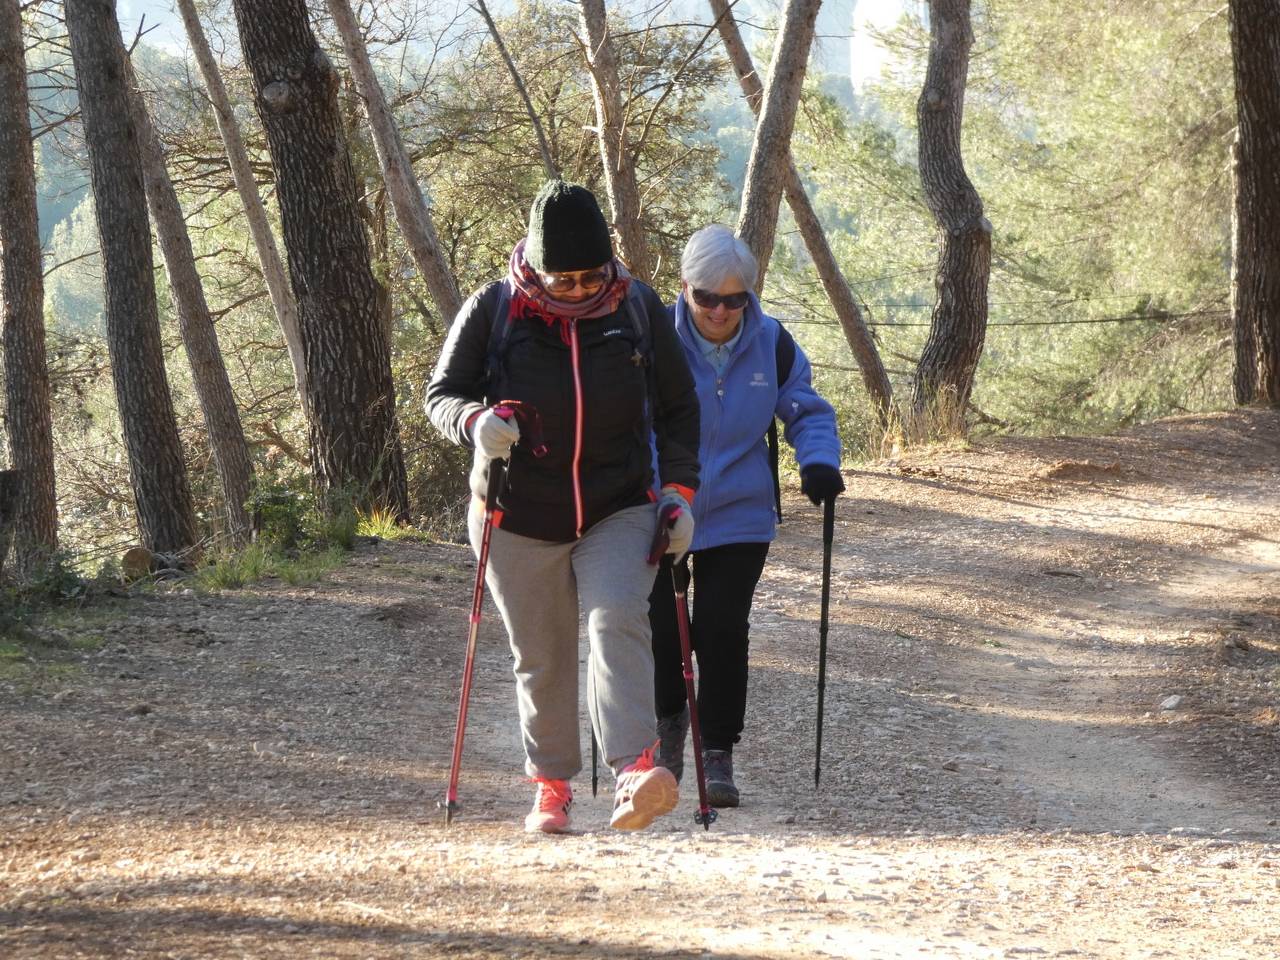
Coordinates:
(564, 282)
(709, 300)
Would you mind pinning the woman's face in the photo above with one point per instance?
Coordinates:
(716, 313)
(575, 286)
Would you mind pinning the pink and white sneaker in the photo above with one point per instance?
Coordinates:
(644, 793)
(550, 813)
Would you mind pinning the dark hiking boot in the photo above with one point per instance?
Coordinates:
(718, 767)
(672, 732)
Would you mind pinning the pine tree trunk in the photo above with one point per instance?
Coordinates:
(29, 421)
(615, 151)
(1244, 380)
(1255, 46)
(856, 334)
(355, 445)
(209, 373)
(771, 148)
(166, 519)
(273, 272)
(944, 375)
(406, 195)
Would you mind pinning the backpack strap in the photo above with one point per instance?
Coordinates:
(784, 355)
(643, 355)
(499, 331)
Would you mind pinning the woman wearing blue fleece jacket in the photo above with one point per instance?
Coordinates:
(731, 346)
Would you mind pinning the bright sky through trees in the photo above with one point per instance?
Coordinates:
(861, 56)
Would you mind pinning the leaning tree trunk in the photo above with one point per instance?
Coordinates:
(397, 170)
(548, 164)
(157, 470)
(944, 374)
(771, 148)
(273, 272)
(29, 422)
(615, 150)
(841, 296)
(209, 373)
(355, 445)
(1255, 47)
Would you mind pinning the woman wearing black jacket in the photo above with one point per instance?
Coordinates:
(592, 349)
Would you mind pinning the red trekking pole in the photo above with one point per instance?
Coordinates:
(531, 433)
(680, 583)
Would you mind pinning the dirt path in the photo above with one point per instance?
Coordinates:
(1005, 773)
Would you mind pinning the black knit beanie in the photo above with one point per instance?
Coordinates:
(567, 231)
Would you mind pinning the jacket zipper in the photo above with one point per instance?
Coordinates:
(577, 431)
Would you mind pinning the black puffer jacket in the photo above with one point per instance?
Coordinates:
(591, 393)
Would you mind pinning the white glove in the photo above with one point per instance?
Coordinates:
(680, 534)
(493, 436)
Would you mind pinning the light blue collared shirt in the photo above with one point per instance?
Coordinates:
(717, 354)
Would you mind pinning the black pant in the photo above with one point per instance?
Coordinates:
(724, 582)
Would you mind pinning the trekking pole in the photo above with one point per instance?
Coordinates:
(680, 584)
(828, 535)
(595, 764)
(528, 417)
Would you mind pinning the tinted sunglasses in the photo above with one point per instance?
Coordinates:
(564, 282)
(709, 300)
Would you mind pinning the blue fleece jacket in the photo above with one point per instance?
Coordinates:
(734, 503)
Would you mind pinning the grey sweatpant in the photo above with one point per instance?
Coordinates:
(538, 588)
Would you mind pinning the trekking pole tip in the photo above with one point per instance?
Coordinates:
(450, 807)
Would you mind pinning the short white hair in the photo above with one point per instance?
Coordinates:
(714, 255)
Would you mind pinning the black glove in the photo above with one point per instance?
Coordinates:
(819, 482)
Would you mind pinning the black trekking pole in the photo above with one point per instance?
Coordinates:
(595, 764)
(528, 417)
(680, 584)
(828, 534)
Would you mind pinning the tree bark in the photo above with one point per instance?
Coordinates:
(397, 170)
(355, 444)
(615, 150)
(548, 164)
(273, 271)
(856, 334)
(157, 470)
(1244, 379)
(209, 373)
(771, 147)
(29, 420)
(944, 375)
(1255, 47)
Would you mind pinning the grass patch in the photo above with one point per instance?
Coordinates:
(310, 566)
(46, 622)
(235, 570)
(384, 525)
(256, 563)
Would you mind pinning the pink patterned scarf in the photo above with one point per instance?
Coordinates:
(530, 299)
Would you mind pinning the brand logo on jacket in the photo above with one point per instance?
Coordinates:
(612, 333)
(758, 380)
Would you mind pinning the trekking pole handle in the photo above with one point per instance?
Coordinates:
(528, 419)
(667, 518)
(828, 519)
